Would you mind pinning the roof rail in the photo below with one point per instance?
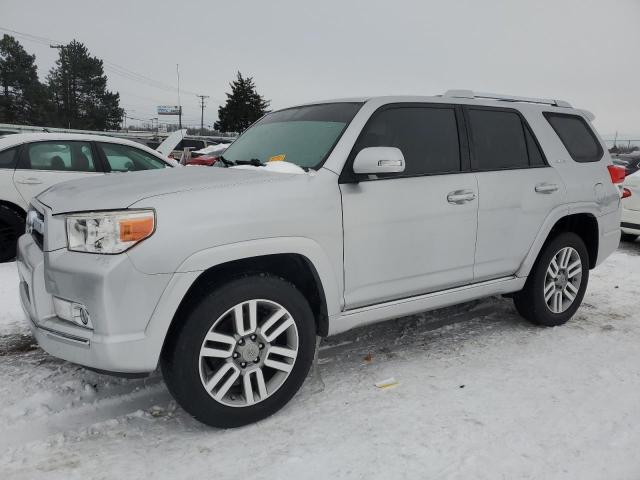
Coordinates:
(505, 98)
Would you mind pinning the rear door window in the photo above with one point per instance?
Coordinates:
(427, 137)
(8, 158)
(577, 136)
(59, 156)
(123, 158)
(498, 140)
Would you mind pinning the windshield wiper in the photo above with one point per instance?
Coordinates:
(254, 161)
(227, 163)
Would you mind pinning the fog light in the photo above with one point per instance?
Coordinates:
(72, 312)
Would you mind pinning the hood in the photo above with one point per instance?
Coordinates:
(121, 190)
(171, 142)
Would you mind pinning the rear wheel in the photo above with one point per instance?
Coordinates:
(11, 227)
(628, 237)
(557, 282)
(242, 352)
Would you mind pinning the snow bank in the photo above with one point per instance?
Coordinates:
(486, 396)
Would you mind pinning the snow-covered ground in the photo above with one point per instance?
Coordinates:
(481, 394)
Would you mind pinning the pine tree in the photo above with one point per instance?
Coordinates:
(23, 99)
(79, 88)
(244, 106)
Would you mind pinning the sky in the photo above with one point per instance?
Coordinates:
(582, 51)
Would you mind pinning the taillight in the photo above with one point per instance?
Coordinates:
(626, 193)
(617, 173)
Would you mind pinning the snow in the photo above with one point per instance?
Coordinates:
(219, 148)
(479, 393)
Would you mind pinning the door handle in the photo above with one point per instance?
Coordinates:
(458, 197)
(546, 188)
(29, 181)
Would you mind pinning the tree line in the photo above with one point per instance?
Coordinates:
(75, 95)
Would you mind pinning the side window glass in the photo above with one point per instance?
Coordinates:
(498, 140)
(427, 137)
(122, 158)
(8, 158)
(577, 136)
(59, 156)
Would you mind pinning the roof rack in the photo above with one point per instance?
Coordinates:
(505, 98)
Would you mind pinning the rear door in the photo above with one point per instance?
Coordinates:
(517, 189)
(43, 164)
(410, 233)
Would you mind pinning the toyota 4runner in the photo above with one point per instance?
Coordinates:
(318, 219)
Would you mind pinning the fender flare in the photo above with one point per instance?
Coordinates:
(191, 268)
(554, 216)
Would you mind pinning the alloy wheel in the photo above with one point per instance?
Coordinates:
(248, 353)
(562, 280)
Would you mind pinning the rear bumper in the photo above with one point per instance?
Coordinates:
(119, 299)
(609, 238)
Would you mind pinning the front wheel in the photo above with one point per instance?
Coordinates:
(557, 282)
(242, 352)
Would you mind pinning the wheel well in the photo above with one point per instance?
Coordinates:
(296, 269)
(585, 226)
(14, 207)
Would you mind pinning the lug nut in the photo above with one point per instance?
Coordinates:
(253, 337)
(236, 354)
(243, 364)
(256, 360)
(261, 346)
(241, 342)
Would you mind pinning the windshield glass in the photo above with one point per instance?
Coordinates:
(303, 135)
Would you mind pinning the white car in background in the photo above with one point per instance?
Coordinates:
(630, 221)
(32, 162)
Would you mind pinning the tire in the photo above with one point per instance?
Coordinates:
(628, 237)
(531, 303)
(11, 227)
(213, 315)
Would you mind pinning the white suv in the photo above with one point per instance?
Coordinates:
(328, 216)
(32, 162)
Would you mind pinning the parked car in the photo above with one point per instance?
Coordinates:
(630, 222)
(331, 216)
(32, 162)
(207, 156)
(630, 162)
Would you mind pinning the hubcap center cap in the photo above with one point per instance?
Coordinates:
(249, 351)
(562, 280)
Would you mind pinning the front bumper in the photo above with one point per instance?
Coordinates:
(630, 222)
(120, 300)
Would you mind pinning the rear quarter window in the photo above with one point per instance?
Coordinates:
(577, 136)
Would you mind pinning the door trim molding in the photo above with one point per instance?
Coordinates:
(430, 301)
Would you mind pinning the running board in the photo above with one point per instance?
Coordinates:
(430, 301)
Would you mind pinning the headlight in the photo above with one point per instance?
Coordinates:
(109, 232)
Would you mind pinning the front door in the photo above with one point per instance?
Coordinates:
(410, 233)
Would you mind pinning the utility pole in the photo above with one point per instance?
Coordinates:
(179, 104)
(68, 82)
(202, 99)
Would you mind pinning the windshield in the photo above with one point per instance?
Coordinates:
(302, 135)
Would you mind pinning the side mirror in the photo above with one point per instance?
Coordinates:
(375, 160)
